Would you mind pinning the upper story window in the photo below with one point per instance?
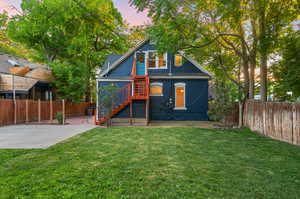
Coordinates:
(156, 61)
(178, 60)
(156, 89)
(152, 59)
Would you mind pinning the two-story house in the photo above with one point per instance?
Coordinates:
(154, 86)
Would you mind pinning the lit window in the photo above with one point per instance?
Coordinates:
(162, 61)
(180, 96)
(156, 61)
(152, 59)
(178, 60)
(156, 89)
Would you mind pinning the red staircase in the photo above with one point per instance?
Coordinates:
(137, 90)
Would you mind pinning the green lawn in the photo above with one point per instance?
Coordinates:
(154, 163)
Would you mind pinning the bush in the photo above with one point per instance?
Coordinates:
(59, 117)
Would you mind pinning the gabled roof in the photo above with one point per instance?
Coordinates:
(7, 61)
(123, 57)
(111, 59)
(112, 65)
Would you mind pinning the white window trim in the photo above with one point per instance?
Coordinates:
(157, 84)
(180, 85)
(157, 60)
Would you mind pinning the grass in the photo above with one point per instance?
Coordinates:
(154, 163)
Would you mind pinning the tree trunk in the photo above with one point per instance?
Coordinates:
(263, 55)
(252, 77)
(263, 78)
(246, 77)
(241, 113)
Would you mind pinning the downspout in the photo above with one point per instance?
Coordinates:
(169, 62)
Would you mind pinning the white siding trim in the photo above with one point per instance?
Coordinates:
(97, 102)
(179, 77)
(114, 80)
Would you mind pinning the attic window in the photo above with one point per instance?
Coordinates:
(178, 60)
(156, 61)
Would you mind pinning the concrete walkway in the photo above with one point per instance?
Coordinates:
(198, 124)
(38, 136)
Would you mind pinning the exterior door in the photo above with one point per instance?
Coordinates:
(141, 63)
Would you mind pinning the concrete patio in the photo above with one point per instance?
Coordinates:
(38, 136)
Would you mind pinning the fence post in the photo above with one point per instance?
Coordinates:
(39, 110)
(51, 111)
(15, 111)
(264, 118)
(294, 122)
(27, 109)
(63, 111)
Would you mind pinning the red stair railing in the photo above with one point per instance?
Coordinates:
(120, 99)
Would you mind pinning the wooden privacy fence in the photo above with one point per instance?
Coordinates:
(277, 120)
(31, 111)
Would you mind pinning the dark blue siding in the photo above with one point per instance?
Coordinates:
(196, 101)
(124, 69)
(138, 110)
(187, 67)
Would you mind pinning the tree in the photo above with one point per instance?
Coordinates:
(287, 70)
(136, 34)
(70, 79)
(71, 31)
(246, 29)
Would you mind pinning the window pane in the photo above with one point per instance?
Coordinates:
(141, 57)
(151, 59)
(178, 60)
(179, 97)
(156, 90)
(162, 60)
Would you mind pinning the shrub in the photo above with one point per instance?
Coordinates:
(59, 117)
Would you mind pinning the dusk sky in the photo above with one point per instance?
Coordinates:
(129, 13)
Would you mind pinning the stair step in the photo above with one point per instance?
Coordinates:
(126, 121)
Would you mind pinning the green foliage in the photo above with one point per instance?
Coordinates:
(222, 105)
(106, 94)
(70, 79)
(59, 117)
(287, 70)
(154, 163)
(71, 31)
(230, 33)
(10, 47)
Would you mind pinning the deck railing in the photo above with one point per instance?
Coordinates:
(120, 98)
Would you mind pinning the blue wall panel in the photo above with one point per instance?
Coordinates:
(196, 101)
(138, 110)
(125, 68)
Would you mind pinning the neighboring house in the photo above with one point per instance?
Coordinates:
(154, 87)
(24, 79)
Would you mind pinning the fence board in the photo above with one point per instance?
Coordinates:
(6, 113)
(7, 110)
(280, 121)
(296, 123)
